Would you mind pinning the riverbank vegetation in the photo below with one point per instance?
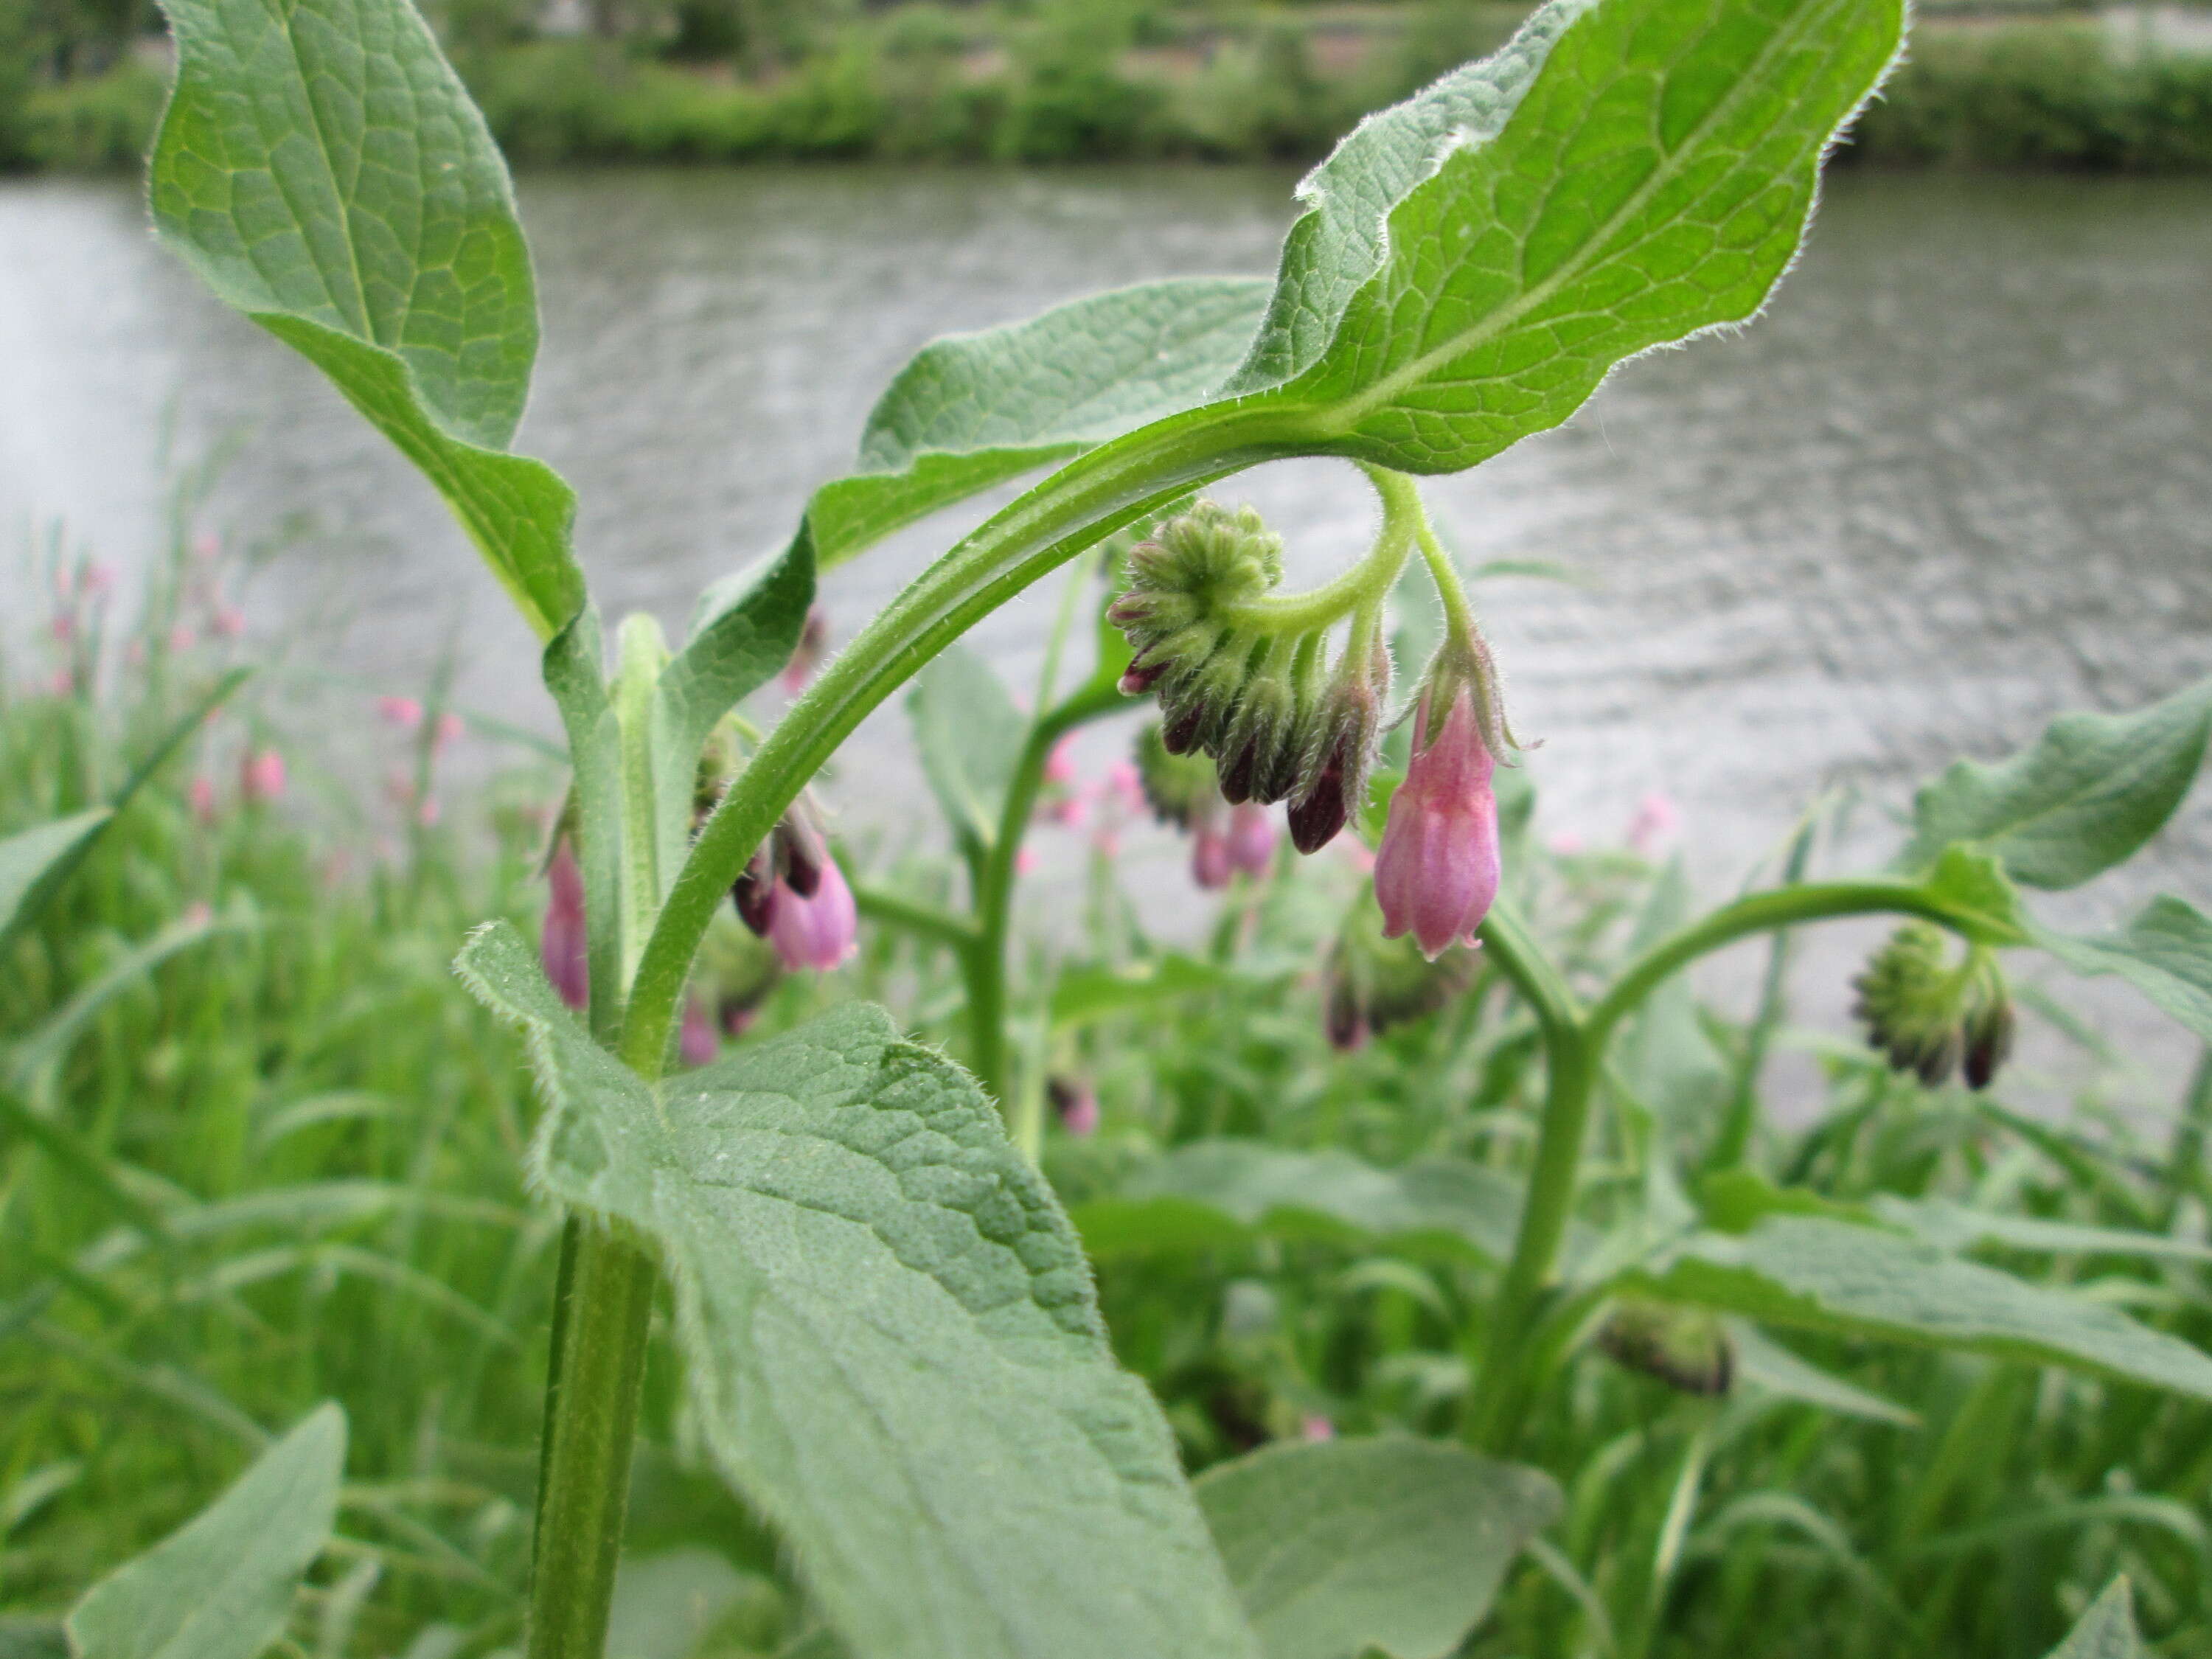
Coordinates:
(732, 81)
(1403, 1261)
(278, 1166)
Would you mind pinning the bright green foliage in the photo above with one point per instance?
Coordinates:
(2165, 952)
(31, 860)
(2091, 791)
(222, 1587)
(1800, 1270)
(890, 1337)
(1653, 181)
(2107, 1630)
(969, 735)
(324, 171)
(1396, 1543)
(974, 410)
(1211, 1193)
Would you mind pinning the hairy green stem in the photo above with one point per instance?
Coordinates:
(1361, 589)
(1090, 498)
(605, 1305)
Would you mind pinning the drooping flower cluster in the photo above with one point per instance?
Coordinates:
(1929, 1017)
(1437, 872)
(1280, 724)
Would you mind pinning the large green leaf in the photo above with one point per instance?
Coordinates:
(1214, 1195)
(2090, 793)
(222, 1586)
(2165, 952)
(323, 170)
(1831, 1275)
(890, 1336)
(1625, 173)
(972, 410)
(1955, 1227)
(971, 736)
(1397, 1543)
(2107, 1630)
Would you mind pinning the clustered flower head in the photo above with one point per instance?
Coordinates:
(1280, 724)
(1929, 1017)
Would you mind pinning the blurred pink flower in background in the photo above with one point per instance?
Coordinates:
(1124, 788)
(562, 947)
(1209, 854)
(63, 626)
(696, 1043)
(1026, 861)
(201, 794)
(1251, 839)
(198, 913)
(261, 775)
(98, 579)
(182, 639)
(229, 621)
(451, 728)
(404, 713)
(1317, 1427)
(1656, 817)
(207, 547)
(806, 655)
(1075, 1102)
(1566, 843)
(1060, 765)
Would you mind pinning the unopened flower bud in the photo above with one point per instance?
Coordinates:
(1989, 1035)
(562, 948)
(1210, 866)
(1251, 840)
(1688, 1348)
(1350, 716)
(1075, 1102)
(818, 932)
(1179, 787)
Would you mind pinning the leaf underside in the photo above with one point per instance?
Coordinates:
(2108, 1630)
(891, 1334)
(1832, 1275)
(1395, 1542)
(2165, 952)
(222, 1586)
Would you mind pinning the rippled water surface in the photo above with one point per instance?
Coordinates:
(1959, 478)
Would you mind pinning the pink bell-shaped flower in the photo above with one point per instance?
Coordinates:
(1437, 872)
(1251, 839)
(697, 1043)
(818, 932)
(560, 945)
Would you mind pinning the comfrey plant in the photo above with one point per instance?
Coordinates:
(886, 1322)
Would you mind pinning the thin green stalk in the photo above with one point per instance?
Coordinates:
(1090, 498)
(985, 961)
(1501, 1382)
(914, 916)
(1731, 1146)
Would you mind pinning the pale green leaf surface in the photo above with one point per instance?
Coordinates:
(2165, 952)
(2107, 1630)
(890, 1336)
(1766, 1363)
(221, 1587)
(1954, 1226)
(1397, 1543)
(1831, 1275)
(2090, 793)
(1183, 1201)
(666, 1605)
(748, 627)
(323, 170)
(1654, 181)
(30, 859)
(969, 735)
(971, 411)
(1342, 238)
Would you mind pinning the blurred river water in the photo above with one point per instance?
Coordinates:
(1959, 479)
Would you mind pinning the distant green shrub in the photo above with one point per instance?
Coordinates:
(93, 124)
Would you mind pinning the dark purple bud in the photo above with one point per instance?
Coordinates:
(1989, 1041)
(1140, 675)
(754, 892)
(800, 851)
(1316, 815)
(1179, 732)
